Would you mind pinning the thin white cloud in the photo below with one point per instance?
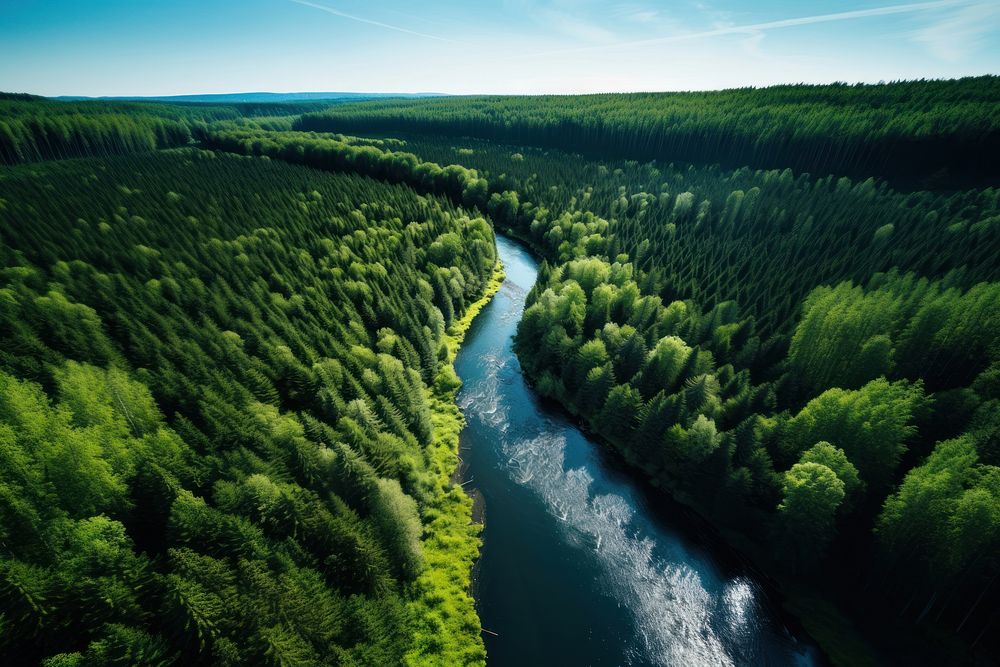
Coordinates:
(958, 35)
(379, 24)
(573, 26)
(769, 25)
(637, 14)
(647, 16)
(752, 43)
(642, 16)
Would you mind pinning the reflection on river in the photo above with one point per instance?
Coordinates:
(575, 567)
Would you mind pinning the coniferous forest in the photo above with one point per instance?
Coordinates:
(228, 428)
(217, 424)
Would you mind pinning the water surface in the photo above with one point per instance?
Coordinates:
(576, 567)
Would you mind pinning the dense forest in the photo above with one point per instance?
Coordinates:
(816, 358)
(216, 415)
(924, 132)
(812, 363)
(227, 423)
(33, 129)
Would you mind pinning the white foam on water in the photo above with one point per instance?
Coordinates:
(672, 610)
(674, 613)
(739, 614)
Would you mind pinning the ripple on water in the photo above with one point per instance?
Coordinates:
(683, 612)
(680, 619)
(672, 611)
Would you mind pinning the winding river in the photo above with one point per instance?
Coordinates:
(577, 566)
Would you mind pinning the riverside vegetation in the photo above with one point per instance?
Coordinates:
(216, 415)
(254, 402)
(815, 358)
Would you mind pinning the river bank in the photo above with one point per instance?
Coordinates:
(576, 567)
(446, 627)
(847, 633)
(799, 606)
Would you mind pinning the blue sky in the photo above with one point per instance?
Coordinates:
(163, 47)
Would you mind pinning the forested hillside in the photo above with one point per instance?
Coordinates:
(923, 132)
(33, 129)
(227, 419)
(216, 423)
(811, 362)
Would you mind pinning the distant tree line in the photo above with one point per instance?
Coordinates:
(34, 128)
(914, 132)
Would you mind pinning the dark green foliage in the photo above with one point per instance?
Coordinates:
(34, 128)
(214, 423)
(760, 240)
(215, 428)
(352, 155)
(32, 131)
(759, 339)
(928, 130)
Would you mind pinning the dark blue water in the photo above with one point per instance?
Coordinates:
(576, 568)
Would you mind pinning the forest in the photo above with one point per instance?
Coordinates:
(227, 412)
(34, 128)
(216, 415)
(930, 133)
(813, 358)
(803, 373)
(811, 362)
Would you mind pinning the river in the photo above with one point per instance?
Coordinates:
(577, 567)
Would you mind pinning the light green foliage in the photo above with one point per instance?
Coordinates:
(920, 329)
(84, 465)
(199, 479)
(812, 494)
(884, 232)
(395, 514)
(444, 625)
(664, 365)
(840, 325)
(871, 425)
(702, 439)
(946, 513)
(836, 460)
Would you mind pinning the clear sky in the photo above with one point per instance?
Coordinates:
(165, 47)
